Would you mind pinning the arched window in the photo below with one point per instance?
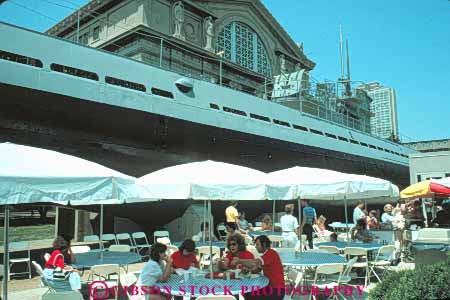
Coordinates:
(242, 45)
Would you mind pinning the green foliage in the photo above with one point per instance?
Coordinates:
(425, 282)
(29, 233)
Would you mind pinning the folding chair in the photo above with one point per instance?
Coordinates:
(329, 284)
(160, 234)
(125, 239)
(346, 277)
(44, 281)
(110, 238)
(140, 241)
(80, 249)
(20, 247)
(102, 274)
(276, 240)
(361, 253)
(128, 280)
(253, 250)
(63, 295)
(316, 234)
(330, 249)
(222, 230)
(382, 260)
(296, 277)
(171, 249)
(203, 253)
(163, 240)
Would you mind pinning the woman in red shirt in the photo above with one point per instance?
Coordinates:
(185, 257)
(236, 249)
(56, 261)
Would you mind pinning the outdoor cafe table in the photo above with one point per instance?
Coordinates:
(342, 245)
(221, 245)
(260, 232)
(89, 259)
(178, 287)
(310, 259)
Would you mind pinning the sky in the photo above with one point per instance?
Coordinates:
(403, 44)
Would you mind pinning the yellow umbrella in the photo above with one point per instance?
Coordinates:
(417, 190)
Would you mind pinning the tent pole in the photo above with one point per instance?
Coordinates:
(101, 230)
(300, 222)
(346, 216)
(204, 220)
(210, 241)
(6, 254)
(273, 216)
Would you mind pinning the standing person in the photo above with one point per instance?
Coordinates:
(358, 212)
(185, 257)
(155, 271)
(57, 264)
(236, 248)
(270, 263)
(309, 218)
(232, 217)
(387, 217)
(289, 226)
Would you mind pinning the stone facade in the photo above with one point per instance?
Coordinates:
(189, 29)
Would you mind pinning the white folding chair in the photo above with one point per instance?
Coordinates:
(44, 281)
(222, 230)
(217, 297)
(125, 239)
(253, 250)
(276, 240)
(361, 253)
(296, 277)
(204, 258)
(91, 238)
(80, 249)
(258, 224)
(20, 247)
(382, 260)
(110, 238)
(163, 240)
(330, 249)
(128, 280)
(159, 234)
(119, 248)
(346, 277)
(304, 243)
(103, 275)
(63, 295)
(327, 269)
(316, 234)
(171, 249)
(140, 241)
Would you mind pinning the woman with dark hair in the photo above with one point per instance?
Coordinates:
(61, 277)
(360, 232)
(155, 271)
(185, 257)
(236, 248)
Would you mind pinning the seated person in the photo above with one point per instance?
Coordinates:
(243, 223)
(60, 255)
(185, 257)
(372, 221)
(204, 232)
(155, 271)
(266, 223)
(387, 216)
(322, 228)
(442, 217)
(333, 237)
(236, 248)
(360, 232)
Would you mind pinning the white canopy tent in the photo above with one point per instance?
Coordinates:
(34, 175)
(206, 180)
(321, 184)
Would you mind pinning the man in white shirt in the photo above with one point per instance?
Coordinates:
(358, 212)
(289, 226)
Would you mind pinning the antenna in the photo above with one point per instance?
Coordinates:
(348, 60)
(341, 52)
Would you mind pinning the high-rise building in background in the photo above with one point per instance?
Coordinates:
(384, 107)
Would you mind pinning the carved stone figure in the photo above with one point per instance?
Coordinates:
(283, 64)
(178, 11)
(209, 30)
